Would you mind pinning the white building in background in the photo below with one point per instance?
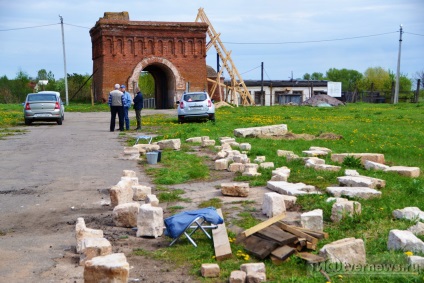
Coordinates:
(291, 91)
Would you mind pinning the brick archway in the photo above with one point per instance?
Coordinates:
(173, 52)
(168, 81)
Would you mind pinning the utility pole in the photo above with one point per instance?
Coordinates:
(64, 61)
(396, 98)
(262, 84)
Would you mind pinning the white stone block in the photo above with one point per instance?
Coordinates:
(92, 247)
(235, 189)
(273, 204)
(171, 144)
(256, 277)
(221, 164)
(132, 180)
(253, 267)
(344, 209)
(206, 143)
(370, 165)
(315, 152)
(359, 192)
(194, 140)
(405, 241)
(417, 229)
(361, 181)
(109, 268)
(312, 220)
(259, 159)
(152, 200)
(121, 194)
(267, 165)
(347, 251)
(237, 276)
(82, 232)
(150, 221)
(320, 149)
(416, 261)
(291, 189)
(210, 270)
(351, 172)
(140, 192)
(410, 213)
(236, 167)
(284, 153)
(245, 146)
(126, 214)
(327, 167)
(413, 172)
(289, 201)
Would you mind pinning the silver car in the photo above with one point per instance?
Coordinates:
(44, 106)
(195, 106)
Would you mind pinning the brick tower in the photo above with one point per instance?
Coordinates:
(174, 53)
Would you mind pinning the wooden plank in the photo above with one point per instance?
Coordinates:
(259, 247)
(311, 258)
(246, 233)
(221, 243)
(297, 232)
(316, 234)
(276, 234)
(311, 246)
(283, 252)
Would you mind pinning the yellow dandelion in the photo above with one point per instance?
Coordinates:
(409, 253)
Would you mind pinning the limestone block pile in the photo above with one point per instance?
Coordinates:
(407, 240)
(357, 186)
(249, 272)
(291, 189)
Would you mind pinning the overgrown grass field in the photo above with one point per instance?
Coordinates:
(397, 131)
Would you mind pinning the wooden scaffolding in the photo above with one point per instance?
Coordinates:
(238, 87)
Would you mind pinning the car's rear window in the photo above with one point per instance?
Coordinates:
(42, 97)
(195, 97)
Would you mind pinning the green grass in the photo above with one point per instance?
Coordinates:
(178, 167)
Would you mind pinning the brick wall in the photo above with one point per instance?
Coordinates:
(176, 51)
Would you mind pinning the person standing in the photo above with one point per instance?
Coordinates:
(138, 106)
(127, 105)
(116, 103)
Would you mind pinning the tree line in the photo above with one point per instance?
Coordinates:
(374, 79)
(79, 86)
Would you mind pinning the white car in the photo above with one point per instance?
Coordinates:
(195, 106)
(44, 106)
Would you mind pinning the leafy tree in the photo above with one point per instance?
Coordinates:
(316, 76)
(420, 76)
(79, 87)
(20, 87)
(146, 84)
(349, 78)
(43, 75)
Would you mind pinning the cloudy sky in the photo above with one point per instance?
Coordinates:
(290, 37)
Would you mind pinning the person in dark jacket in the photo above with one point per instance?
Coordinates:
(138, 106)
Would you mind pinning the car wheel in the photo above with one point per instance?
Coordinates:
(212, 118)
(28, 122)
(59, 121)
(180, 120)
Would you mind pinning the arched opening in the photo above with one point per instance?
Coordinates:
(164, 85)
(168, 84)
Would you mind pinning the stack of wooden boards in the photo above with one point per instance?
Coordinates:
(279, 240)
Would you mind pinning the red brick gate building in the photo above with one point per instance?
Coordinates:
(174, 53)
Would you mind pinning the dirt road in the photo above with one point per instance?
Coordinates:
(50, 176)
